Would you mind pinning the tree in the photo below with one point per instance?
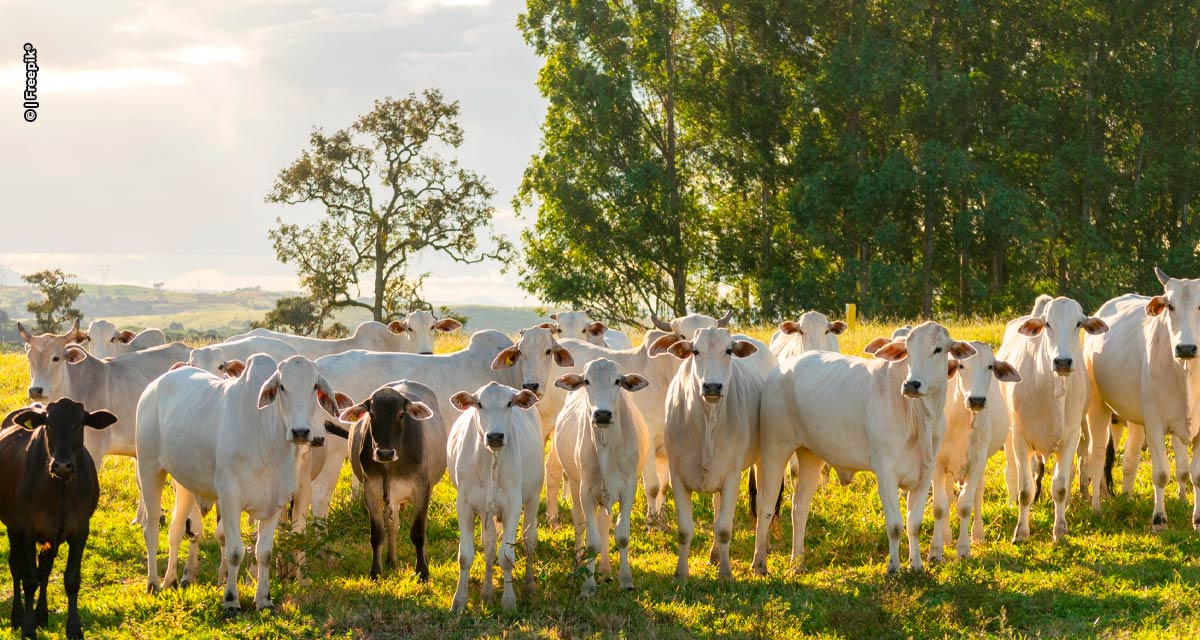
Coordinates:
(388, 194)
(57, 297)
(298, 314)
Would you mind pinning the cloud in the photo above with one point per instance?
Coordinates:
(88, 80)
(210, 54)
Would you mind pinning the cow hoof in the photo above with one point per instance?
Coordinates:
(170, 584)
(725, 574)
(589, 589)
(152, 589)
(232, 612)
(459, 606)
(267, 608)
(964, 552)
(681, 576)
(1159, 523)
(627, 583)
(508, 601)
(552, 521)
(935, 558)
(1060, 533)
(74, 631)
(760, 568)
(893, 570)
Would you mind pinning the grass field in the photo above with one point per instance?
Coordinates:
(1112, 577)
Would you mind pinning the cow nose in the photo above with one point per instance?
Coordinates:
(495, 440)
(385, 455)
(1185, 351)
(531, 386)
(602, 416)
(300, 435)
(317, 442)
(712, 388)
(61, 468)
(976, 402)
(912, 387)
(37, 392)
(1063, 364)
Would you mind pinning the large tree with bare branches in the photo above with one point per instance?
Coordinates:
(388, 193)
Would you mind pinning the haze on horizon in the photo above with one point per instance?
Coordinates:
(163, 125)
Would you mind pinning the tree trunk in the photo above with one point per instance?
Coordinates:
(380, 267)
(679, 273)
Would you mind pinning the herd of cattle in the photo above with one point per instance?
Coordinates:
(262, 424)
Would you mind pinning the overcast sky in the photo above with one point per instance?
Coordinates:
(163, 124)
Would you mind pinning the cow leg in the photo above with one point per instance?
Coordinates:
(529, 533)
(940, 521)
(391, 520)
(179, 522)
(723, 523)
(604, 528)
(262, 556)
(652, 488)
(1011, 484)
(663, 466)
(1132, 457)
(591, 536)
(235, 551)
(16, 542)
(578, 520)
(1023, 459)
(508, 552)
(1180, 448)
(416, 533)
(977, 533)
(1060, 487)
(915, 501)
(714, 556)
(772, 461)
(375, 508)
(553, 486)
(466, 552)
(889, 495)
(45, 564)
(324, 485)
(488, 526)
(951, 490)
(151, 481)
(1160, 470)
(1195, 469)
(625, 573)
(1099, 419)
(808, 478)
(687, 528)
(72, 578)
(970, 503)
(219, 534)
(29, 583)
(194, 528)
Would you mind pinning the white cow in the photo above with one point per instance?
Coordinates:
(105, 341)
(1144, 370)
(494, 456)
(977, 427)
(233, 441)
(712, 432)
(884, 415)
(686, 326)
(602, 442)
(370, 336)
(1047, 408)
(422, 328)
(578, 325)
(213, 358)
(811, 332)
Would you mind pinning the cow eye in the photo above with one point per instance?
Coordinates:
(1170, 307)
(729, 351)
(56, 358)
(112, 339)
(990, 366)
(509, 404)
(281, 389)
(937, 351)
(547, 352)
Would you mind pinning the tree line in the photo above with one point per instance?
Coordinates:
(917, 158)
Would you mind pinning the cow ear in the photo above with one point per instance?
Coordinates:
(125, 337)
(75, 335)
(419, 411)
(179, 365)
(633, 382)
(1032, 327)
(875, 344)
(952, 367)
(788, 327)
(1094, 325)
(1005, 372)
(681, 349)
(961, 350)
(837, 327)
(569, 382)
(447, 325)
(744, 348)
(355, 413)
(234, 368)
(525, 399)
(893, 351)
(507, 358)
(25, 335)
(30, 418)
(1156, 305)
(100, 419)
(562, 357)
(397, 327)
(597, 328)
(331, 401)
(75, 354)
(662, 344)
(269, 390)
(463, 401)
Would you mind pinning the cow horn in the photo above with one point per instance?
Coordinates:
(724, 321)
(1162, 277)
(662, 326)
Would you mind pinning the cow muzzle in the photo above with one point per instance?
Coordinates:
(712, 391)
(494, 441)
(62, 469)
(301, 436)
(976, 403)
(1185, 351)
(602, 417)
(1063, 366)
(39, 393)
(912, 389)
(385, 456)
(534, 387)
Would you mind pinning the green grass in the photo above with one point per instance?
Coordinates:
(1112, 577)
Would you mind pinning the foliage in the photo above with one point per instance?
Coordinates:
(388, 194)
(298, 315)
(58, 296)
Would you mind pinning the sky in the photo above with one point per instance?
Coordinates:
(162, 126)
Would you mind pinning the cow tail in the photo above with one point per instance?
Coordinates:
(753, 491)
(1041, 471)
(779, 500)
(1110, 457)
(335, 430)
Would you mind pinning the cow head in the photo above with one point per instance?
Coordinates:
(389, 413)
(602, 382)
(62, 422)
(712, 351)
(976, 372)
(685, 327)
(1060, 321)
(421, 328)
(49, 354)
(107, 341)
(494, 405)
(814, 331)
(534, 355)
(1179, 307)
(579, 326)
(926, 349)
(295, 389)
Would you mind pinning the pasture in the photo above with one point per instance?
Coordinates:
(1112, 577)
